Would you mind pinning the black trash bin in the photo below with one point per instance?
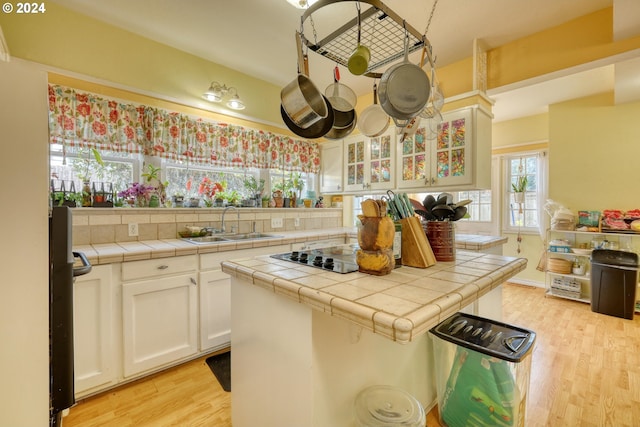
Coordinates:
(482, 370)
(614, 278)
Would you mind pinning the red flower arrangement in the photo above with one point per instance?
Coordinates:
(208, 188)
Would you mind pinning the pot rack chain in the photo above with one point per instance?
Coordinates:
(383, 30)
(433, 9)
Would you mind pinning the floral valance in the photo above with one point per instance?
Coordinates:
(80, 119)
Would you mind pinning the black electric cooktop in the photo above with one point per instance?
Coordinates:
(339, 259)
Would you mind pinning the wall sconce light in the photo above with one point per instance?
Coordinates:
(217, 92)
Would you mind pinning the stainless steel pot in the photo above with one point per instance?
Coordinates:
(316, 130)
(303, 102)
(404, 90)
(339, 133)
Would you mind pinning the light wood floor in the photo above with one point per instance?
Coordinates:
(585, 372)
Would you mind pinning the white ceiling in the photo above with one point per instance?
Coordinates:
(256, 37)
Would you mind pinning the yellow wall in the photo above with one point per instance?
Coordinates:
(73, 42)
(594, 153)
(577, 42)
(524, 130)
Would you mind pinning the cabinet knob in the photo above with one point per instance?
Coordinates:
(163, 267)
(193, 281)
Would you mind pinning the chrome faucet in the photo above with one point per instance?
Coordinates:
(223, 214)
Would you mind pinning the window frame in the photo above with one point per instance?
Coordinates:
(538, 193)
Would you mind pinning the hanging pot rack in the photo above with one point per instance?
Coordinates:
(384, 34)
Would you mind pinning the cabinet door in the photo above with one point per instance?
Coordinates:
(356, 175)
(381, 153)
(414, 160)
(452, 158)
(215, 310)
(332, 162)
(94, 360)
(369, 162)
(159, 322)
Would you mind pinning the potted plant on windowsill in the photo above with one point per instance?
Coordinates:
(519, 187)
(84, 165)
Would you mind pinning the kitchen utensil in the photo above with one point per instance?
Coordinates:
(373, 120)
(442, 212)
(301, 100)
(317, 130)
(407, 204)
(404, 89)
(341, 96)
(416, 204)
(359, 60)
(459, 213)
(303, 103)
(464, 202)
(428, 202)
(445, 199)
(426, 215)
(337, 132)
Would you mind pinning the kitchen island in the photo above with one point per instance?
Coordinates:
(305, 341)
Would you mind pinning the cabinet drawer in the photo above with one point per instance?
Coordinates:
(151, 268)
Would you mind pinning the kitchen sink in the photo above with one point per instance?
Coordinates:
(249, 236)
(227, 238)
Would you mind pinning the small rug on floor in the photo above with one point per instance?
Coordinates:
(220, 365)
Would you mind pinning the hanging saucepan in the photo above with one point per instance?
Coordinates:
(373, 120)
(316, 130)
(404, 89)
(302, 102)
(341, 96)
(339, 133)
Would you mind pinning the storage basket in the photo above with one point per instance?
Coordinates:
(557, 265)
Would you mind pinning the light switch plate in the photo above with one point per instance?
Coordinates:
(277, 223)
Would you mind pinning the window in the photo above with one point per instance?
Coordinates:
(480, 208)
(523, 216)
(75, 164)
(181, 176)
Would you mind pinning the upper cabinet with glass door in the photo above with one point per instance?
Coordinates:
(369, 162)
(456, 155)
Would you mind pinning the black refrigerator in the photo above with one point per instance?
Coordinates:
(62, 270)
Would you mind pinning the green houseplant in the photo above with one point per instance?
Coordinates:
(519, 187)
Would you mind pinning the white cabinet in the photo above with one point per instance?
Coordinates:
(458, 157)
(215, 310)
(160, 312)
(94, 334)
(331, 167)
(369, 162)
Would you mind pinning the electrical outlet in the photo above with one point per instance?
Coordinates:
(133, 229)
(296, 222)
(277, 223)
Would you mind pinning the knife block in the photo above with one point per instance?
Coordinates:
(416, 251)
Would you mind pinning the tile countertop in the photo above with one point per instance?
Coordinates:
(108, 253)
(400, 306)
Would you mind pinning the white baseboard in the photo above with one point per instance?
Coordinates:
(526, 282)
